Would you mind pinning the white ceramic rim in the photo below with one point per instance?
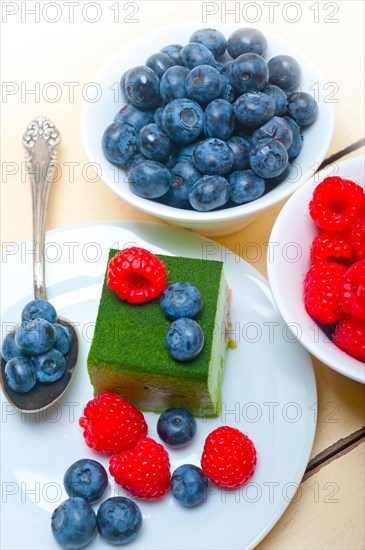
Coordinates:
(229, 214)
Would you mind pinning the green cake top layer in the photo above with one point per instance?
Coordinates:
(133, 336)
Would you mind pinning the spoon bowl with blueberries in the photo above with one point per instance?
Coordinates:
(211, 130)
(39, 357)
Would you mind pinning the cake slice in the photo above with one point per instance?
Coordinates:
(128, 354)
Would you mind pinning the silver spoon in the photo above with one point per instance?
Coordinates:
(41, 141)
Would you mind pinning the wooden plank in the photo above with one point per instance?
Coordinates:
(335, 451)
(327, 510)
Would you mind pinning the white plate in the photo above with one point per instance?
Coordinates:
(290, 252)
(269, 392)
(96, 116)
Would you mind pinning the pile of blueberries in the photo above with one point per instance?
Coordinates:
(202, 132)
(181, 302)
(35, 350)
(119, 519)
(74, 521)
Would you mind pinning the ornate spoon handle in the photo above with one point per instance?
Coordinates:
(41, 141)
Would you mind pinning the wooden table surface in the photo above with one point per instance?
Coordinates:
(328, 510)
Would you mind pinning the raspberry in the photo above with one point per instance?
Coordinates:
(336, 203)
(353, 291)
(357, 237)
(350, 337)
(331, 246)
(136, 275)
(322, 292)
(111, 424)
(144, 471)
(229, 457)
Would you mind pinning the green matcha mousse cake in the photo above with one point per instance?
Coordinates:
(128, 355)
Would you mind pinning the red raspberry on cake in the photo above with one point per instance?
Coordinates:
(357, 237)
(323, 291)
(229, 457)
(349, 336)
(143, 471)
(353, 291)
(336, 204)
(136, 275)
(111, 424)
(331, 246)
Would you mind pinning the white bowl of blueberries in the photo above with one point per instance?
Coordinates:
(206, 128)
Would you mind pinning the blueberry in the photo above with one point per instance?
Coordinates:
(142, 87)
(120, 143)
(86, 479)
(136, 159)
(122, 86)
(181, 299)
(219, 120)
(212, 39)
(49, 366)
(157, 116)
(73, 523)
(254, 109)
(39, 309)
(119, 520)
(130, 114)
(279, 98)
(195, 54)
(271, 183)
(9, 348)
(149, 179)
(189, 485)
(170, 199)
(183, 120)
(159, 63)
(208, 193)
(213, 156)
(246, 186)
(176, 427)
(154, 143)
(173, 50)
(249, 73)
(276, 128)
(241, 149)
(285, 72)
(35, 337)
(268, 158)
(184, 175)
(226, 69)
(297, 143)
(303, 108)
(172, 85)
(203, 84)
(227, 92)
(20, 374)
(63, 339)
(184, 339)
(186, 152)
(246, 40)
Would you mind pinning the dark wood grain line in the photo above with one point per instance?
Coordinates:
(336, 156)
(339, 448)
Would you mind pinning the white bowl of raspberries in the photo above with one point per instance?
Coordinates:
(206, 128)
(316, 266)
